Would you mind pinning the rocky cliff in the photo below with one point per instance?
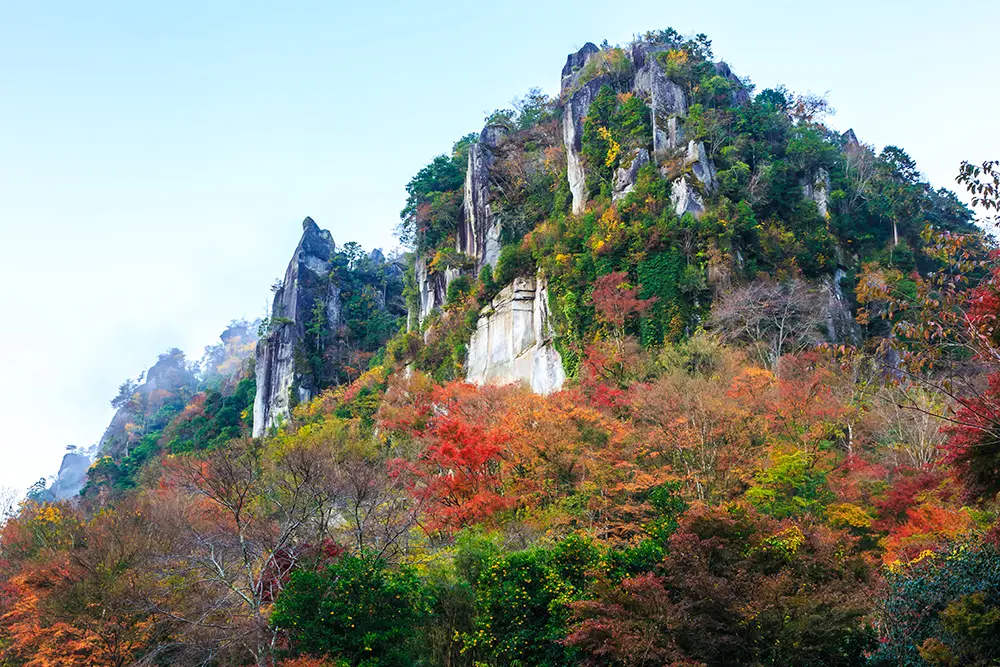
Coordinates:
(70, 479)
(330, 310)
(479, 230)
(513, 337)
(513, 340)
(305, 288)
(668, 106)
(170, 380)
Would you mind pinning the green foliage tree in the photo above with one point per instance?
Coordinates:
(432, 202)
(522, 600)
(357, 609)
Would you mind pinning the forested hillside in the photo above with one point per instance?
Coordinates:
(670, 373)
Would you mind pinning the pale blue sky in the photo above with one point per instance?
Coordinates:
(156, 159)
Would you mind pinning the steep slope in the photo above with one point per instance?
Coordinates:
(641, 117)
(305, 294)
(331, 310)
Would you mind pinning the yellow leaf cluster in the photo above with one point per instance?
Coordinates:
(613, 146)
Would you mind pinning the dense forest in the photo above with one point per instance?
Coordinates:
(774, 439)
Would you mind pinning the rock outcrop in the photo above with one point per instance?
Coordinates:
(575, 62)
(626, 175)
(817, 188)
(168, 377)
(699, 177)
(70, 479)
(668, 106)
(479, 230)
(685, 197)
(432, 291)
(667, 103)
(574, 113)
(513, 340)
(305, 285)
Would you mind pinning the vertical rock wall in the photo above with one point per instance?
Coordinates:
(817, 188)
(479, 230)
(306, 281)
(513, 340)
(574, 113)
(667, 103)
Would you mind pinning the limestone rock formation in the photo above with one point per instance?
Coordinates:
(573, 116)
(479, 230)
(625, 176)
(667, 103)
(306, 282)
(817, 188)
(513, 340)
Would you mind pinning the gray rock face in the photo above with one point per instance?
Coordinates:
(306, 281)
(71, 477)
(479, 230)
(685, 197)
(575, 62)
(625, 176)
(666, 101)
(701, 167)
(686, 191)
(513, 340)
(841, 327)
(574, 114)
(432, 289)
(817, 188)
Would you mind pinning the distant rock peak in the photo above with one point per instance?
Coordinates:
(308, 307)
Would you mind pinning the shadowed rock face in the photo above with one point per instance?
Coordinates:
(306, 282)
(479, 231)
(575, 62)
(513, 340)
